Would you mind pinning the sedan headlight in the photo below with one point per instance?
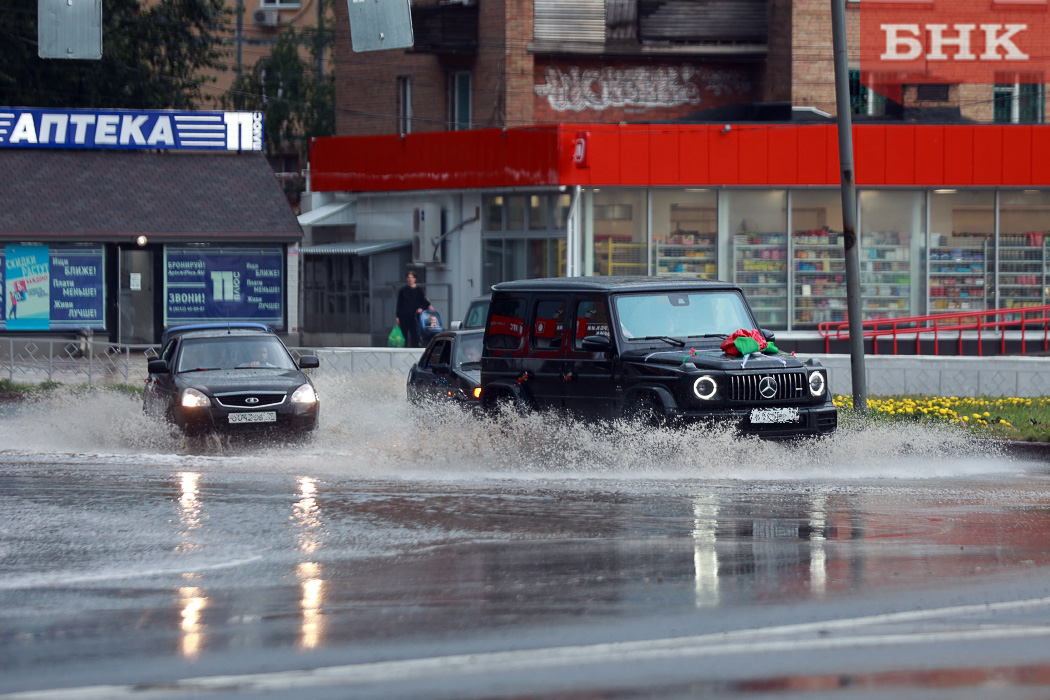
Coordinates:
(817, 383)
(191, 398)
(705, 387)
(304, 394)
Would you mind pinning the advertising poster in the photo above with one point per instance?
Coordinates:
(27, 299)
(77, 288)
(224, 283)
(69, 284)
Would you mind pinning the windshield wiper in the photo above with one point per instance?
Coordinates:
(200, 369)
(666, 338)
(709, 335)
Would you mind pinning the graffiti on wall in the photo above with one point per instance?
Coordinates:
(641, 87)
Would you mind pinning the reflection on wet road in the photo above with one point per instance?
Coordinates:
(524, 558)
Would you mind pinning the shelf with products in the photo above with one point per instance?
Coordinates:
(1023, 261)
(687, 253)
(819, 271)
(885, 274)
(960, 269)
(760, 268)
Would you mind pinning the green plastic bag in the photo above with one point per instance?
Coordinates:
(396, 339)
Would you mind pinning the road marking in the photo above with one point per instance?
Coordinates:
(750, 641)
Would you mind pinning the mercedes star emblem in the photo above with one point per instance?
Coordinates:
(767, 387)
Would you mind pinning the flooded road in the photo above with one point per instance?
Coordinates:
(426, 554)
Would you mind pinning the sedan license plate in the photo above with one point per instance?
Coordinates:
(774, 415)
(256, 417)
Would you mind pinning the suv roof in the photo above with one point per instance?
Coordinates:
(609, 284)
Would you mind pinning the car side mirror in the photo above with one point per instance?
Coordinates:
(768, 335)
(455, 325)
(596, 343)
(158, 367)
(309, 362)
(440, 368)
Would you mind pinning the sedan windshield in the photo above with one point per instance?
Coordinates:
(233, 352)
(672, 315)
(468, 349)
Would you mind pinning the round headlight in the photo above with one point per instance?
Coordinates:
(304, 394)
(816, 383)
(191, 398)
(705, 387)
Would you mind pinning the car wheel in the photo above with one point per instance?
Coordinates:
(502, 401)
(647, 410)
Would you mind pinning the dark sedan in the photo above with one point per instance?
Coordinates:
(231, 380)
(449, 369)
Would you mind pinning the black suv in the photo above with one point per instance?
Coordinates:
(609, 347)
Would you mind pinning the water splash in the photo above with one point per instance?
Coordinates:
(369, 431)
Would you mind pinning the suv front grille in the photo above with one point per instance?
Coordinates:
(250, 399)
(767, 386)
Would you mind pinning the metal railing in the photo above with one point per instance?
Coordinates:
(1018, 322)
(38, 360)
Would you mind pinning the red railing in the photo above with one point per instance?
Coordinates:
(994, 321)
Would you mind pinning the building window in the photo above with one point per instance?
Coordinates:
(281, 4)
(862, 99)
(1019, 103)
(932, 92)
(404, 104)
(459, 101)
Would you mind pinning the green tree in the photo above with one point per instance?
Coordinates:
(295, 94)
(153, 57)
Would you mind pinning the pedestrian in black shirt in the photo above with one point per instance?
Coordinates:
(411, 300)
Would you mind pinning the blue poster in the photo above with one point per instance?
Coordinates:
(27, 298)
(224, 283)
(77, 288)
(52, 287)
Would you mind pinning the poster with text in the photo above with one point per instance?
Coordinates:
(27, 299)
(224, 283)
(77, 288)
(77, 297)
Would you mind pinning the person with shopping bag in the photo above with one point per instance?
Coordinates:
(411, 301)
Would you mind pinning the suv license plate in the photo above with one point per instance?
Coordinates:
(774, 415)
(257, 417)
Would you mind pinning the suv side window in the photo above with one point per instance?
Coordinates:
(548, 324)
(507, 323)
(592, 318)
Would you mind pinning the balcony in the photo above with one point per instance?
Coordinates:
(445, 28)
(651, 27)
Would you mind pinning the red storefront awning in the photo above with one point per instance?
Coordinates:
(644, 155)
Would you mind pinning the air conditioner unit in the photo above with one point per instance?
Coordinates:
(267, 18)
(426, 234)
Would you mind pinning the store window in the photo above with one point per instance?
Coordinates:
(892, 241)
(756, 221)
(962, 250)
(1024, 248)
(615, 229)
(524, 236)
(685, 232)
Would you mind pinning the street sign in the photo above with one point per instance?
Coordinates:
(69, 29)
(380, 24)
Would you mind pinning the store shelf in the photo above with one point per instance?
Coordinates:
(760, 268)
(885, 274)
(819, 269)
